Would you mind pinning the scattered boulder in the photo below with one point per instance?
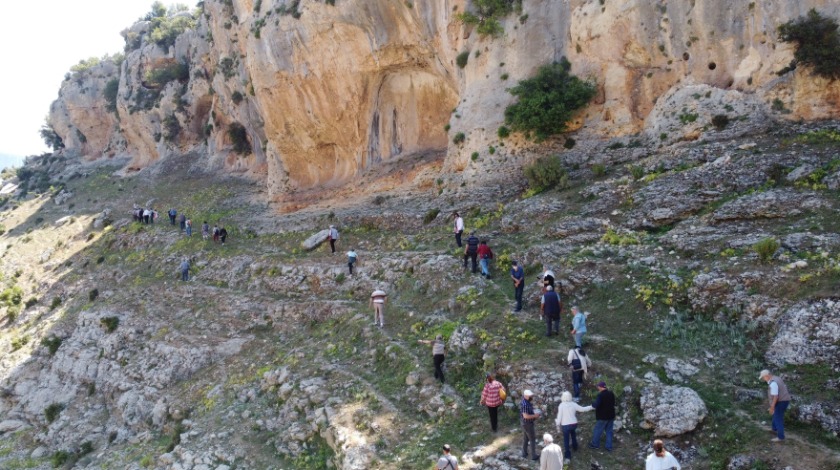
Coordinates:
(670, 410)
(826, 415)
(675, 369)
(740, 462)
(462, 338)
(315, 240)
(62, 197)
(809, 332)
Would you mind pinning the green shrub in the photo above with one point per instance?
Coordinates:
(504, 76)
(569, 143)
(237, 97)
(340, 278)
(56, 302)
(621, 239)
(616, 146)
(491, 150)
(167, 27)
(110, 92)
(637, 171)
(93, 294)
(30, 302)
(547, 101)
(50, 137)
(239, 138)
(687, 118)
(20, 342)
(486, 15)
(60, 458)
(11, 296)
(110, 323)
(546, 173)
(474, 156)
(160, 76)
(598, 169)
(462, 59)
(447, 127)
(52, 411)
(817, 43)
(430, 216)
(171, 128)
(765, 249)
(459, 138)
(52, 344)
(503, 132)
(720, 121)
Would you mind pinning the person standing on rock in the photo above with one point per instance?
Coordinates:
(779, 399)
(578, 326)
(517, 274)
(447, 461)
(471, 252)
(551, 457)
(491, 398)
(579, 363)
(377, 301)
(459, 228)
(185, 269)
(223, 234)
(566, 422)
(604, 405)
(661, 459)
(183, 221)
(528, 416)
(205, 230)
(172, 213)
(438, 351)
(550, 308)
(485, 254)
(351, 259)
(332, 237)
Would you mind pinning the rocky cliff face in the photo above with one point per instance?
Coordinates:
(326, 93)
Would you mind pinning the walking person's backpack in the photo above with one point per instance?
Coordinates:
(502, 394)
(576, 365)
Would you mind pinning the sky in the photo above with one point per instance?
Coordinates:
(39, 41)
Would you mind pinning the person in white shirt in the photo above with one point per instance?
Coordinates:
(551, 457)
(579, 369)
(446, 461)
(661, 459)
(377, 300)
(459, 228)
(567, 422)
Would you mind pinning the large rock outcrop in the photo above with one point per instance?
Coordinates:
(308, 95)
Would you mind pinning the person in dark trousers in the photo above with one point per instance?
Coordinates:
(547, 278)
(438, 351)
(485, 254)
(172, 214)
(492, 399)
(215, 233)
(604, 405)
(529, 433)
(333, 237)
(459, 228)
(183, 221)
(222, 235)
(185, 269)
(517, 274)
(550, 307)
(579, 363)
(471, 252)
(351, 259)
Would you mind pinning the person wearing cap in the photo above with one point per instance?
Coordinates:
(471, 252)
(551, 457)
(566, 422)
(332, 237)
(604, 405)
(438, 348)
(491, 398)
(377, 301)
(578, 326)
(779, 399)
(459, 228)
(517, 274)
(661, 459)
(550, 307)
(528, 417)
(447, 461)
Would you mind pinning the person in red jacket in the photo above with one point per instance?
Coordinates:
(485, 254)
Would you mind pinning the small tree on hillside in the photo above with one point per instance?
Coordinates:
(548, 100)
(51, 138)
(817, 43)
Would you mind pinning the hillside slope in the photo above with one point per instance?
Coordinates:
(267, 357)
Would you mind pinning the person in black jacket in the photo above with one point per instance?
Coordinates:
(471, 252)
(604, 405)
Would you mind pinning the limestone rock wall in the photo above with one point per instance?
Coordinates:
(328, 92)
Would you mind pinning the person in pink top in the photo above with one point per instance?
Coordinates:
(491, 399)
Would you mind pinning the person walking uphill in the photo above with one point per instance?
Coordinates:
(491, 397)
(550, 307)
(377, 301)
(183, 221)
(661, 459)
(567, 422)
(579, 363)
(578, 326)
(517, 274)
(438, 350)
(471, 252)
(459, 228)
(485, 254)
(185, 269)
(779, 398)
(446, 461)
(172, 213)
(333, 237)
(551, 457)
(529, 433)
(604, 405)
(223, 235)
(351, 260)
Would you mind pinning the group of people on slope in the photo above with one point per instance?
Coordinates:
(352, 256)
(145, 216)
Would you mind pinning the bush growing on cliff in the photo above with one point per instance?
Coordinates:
(486, 14)
(817, 43)
(160, 76)
(766, 248)
(239, 138)
(171, 128)
(167, 26)
(51, 138)
(462, 59)
(110, 93)
(547, 101)
(546, 173)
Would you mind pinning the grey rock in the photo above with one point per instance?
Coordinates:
(315, 240)
(671, 411)
(809, 333)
